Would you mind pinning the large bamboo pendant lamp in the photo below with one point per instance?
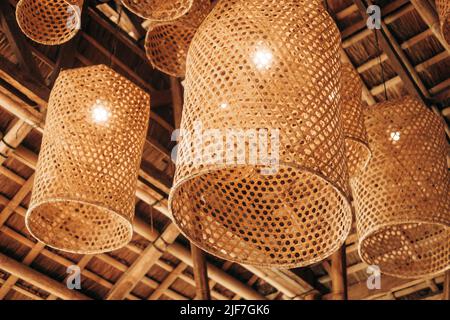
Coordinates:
(257, 66)
(402, 198)
(356, 140)
(443, 7)
(159, 10)
(84, 191)
(49, 22)
(167, 43)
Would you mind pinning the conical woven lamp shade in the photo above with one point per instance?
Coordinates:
(255, 67)
(443, 7)
(167, 43)
(402, 198)
(84, 191)
(159, 10)
(356, 141)
(49, 22)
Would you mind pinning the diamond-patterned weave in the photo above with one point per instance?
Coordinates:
(84, 191)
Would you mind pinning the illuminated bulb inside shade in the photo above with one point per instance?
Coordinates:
(224, 105)
(395, 136)
(100, 114)
(262, 58)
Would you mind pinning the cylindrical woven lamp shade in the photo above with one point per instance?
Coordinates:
(356, 141)
(159, 10)
(402, 197)
(260, 66)
(84, 191)
(49, 22)
(443, 7)
(167, 43)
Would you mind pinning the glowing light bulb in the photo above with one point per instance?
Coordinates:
(262, 58)
(395, 136)
(224, 105)
(100, 113)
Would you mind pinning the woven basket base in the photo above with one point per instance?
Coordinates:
(408, 250)
(49, 22)
(78, 227)
(287, 220)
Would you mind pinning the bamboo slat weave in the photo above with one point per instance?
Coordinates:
(255, 67)
(167, 43)
(356, 141)
(49, 22)
(159, 10)
(84, 192)
(443, 7)
(402, 198)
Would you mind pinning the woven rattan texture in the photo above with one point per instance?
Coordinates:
(300, 214)
(159, 10)
(167, 43)
(443, 7)
(402, 198)
(84, 191)
(356, 140)
(49, 22)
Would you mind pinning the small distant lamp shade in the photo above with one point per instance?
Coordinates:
(356, 141)
(255, 67)
(167, 43)
(402, 197)
(84, 191)
(49, 22)
(159, 10)
(443, 7)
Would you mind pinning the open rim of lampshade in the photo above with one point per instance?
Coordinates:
(341, 194)
(49, 41)
(383, 228)
(139, 13)
(124, 222)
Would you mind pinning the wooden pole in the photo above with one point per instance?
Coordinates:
(200, 273)
(446, 295)
(338, 274)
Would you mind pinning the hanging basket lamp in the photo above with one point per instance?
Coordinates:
(402, 198)
(167, 43)
(263, 73)
(49, 22)
(84, 191)
(443, 8)
(159, 10)
(356, 140)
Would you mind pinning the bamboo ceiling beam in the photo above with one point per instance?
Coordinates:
(446, 295)
(431, 18)
(143, 263)
(168, 281)
(17, 41)
(389, 48)
(24, 292)
(28, 259)
(38, 279)
(390, 13)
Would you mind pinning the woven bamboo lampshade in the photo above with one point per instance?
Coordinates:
(402, 198)
(159, 10)
(49, 22)
(167, 43)
(84, 190)
(256, 67)
(443, 7)
(356, 141)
